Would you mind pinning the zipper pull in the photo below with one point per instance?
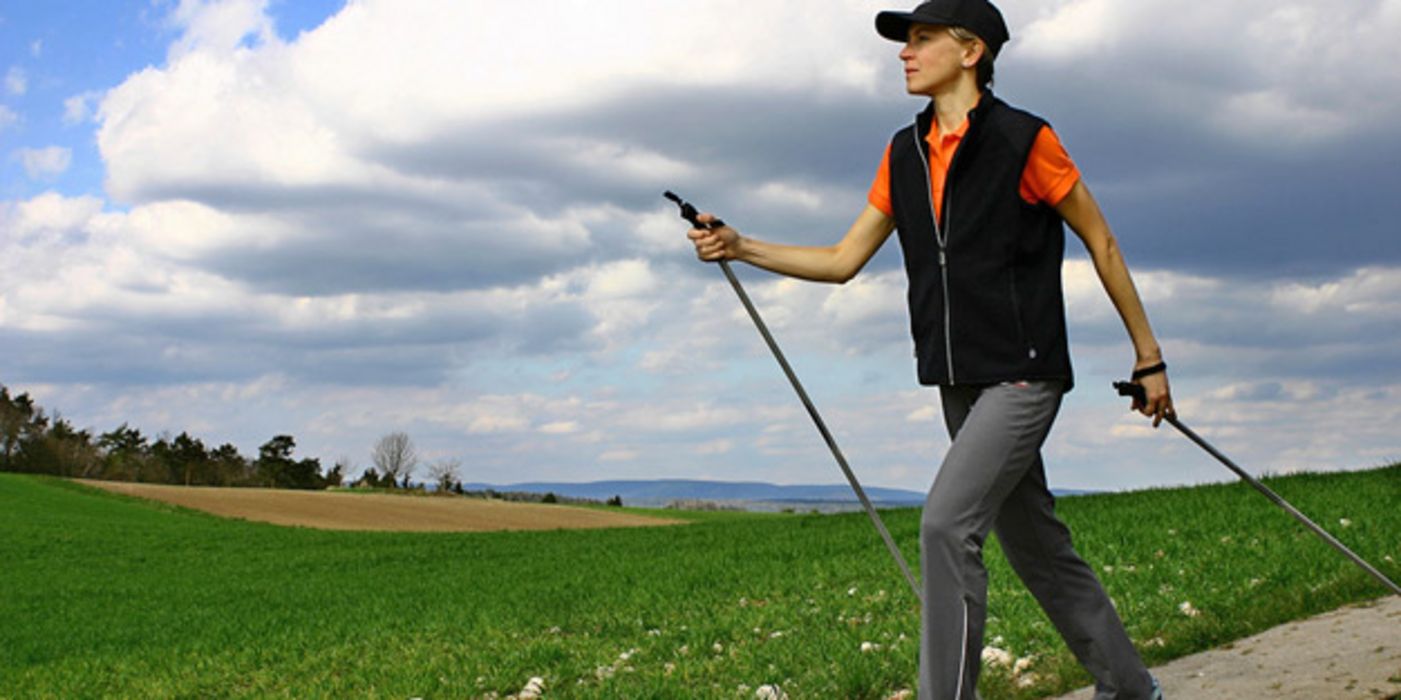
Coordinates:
(943, 259)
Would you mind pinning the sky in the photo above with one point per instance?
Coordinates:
(338, 220)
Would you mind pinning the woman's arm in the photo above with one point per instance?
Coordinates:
(1080, 210)
(836, 263)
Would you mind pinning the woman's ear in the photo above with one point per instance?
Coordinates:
(973, 52)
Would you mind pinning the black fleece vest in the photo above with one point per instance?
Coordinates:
(985, 282)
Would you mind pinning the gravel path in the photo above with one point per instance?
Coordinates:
(1350, 653)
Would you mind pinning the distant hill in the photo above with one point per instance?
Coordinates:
(659, 492)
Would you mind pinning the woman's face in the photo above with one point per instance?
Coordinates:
(933, 59)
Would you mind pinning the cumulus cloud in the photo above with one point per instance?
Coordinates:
(80, 108)
(45, 163)
(219, 26)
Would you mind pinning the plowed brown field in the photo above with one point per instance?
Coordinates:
(332, 510)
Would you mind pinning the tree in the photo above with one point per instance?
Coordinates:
(336, 476)
(275, 460)
(73, 451)
(123, 453)
(190, 459)
(444, 473)
(277, 469)
(228, 467)
(396, 458)
(370, 479)
(15, 414)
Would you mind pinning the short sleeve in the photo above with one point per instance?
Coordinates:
(1049, 174)
(879, 196)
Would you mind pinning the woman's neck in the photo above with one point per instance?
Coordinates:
(952, 106)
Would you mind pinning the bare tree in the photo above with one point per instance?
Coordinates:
(444, 473)
(395, 457)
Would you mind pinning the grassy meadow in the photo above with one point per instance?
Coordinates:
(103, 595)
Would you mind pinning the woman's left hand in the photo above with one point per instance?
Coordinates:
(1155, 386)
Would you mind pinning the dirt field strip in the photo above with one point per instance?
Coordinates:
(332, 510)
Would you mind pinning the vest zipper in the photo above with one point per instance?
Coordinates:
(940, 237)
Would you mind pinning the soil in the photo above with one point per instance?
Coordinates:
(1349, 653)
(333, 510)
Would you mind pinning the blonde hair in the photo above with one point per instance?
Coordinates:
(984, 66)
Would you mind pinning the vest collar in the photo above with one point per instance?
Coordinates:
(925, 120)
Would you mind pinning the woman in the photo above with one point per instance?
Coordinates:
(980, 192)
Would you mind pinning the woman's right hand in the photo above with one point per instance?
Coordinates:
(712, 244)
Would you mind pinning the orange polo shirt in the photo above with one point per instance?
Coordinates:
(1048, 176)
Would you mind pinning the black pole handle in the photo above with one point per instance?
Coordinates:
(689, 212)
(1139, 394)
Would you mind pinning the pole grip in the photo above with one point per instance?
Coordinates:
(1139, 394)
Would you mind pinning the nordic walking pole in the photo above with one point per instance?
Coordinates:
(689, 213)
(1139, 394)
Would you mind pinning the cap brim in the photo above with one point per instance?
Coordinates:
(895, 26)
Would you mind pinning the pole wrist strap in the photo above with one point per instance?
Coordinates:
(1149, 371)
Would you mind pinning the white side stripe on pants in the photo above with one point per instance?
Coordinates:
(963, 658)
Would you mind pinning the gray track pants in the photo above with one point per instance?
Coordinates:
(993, 479)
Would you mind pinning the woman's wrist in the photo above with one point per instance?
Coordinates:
(1149, 357)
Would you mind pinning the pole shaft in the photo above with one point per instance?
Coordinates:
(1279, 501)
(822, 428)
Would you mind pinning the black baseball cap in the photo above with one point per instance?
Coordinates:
(977, 16)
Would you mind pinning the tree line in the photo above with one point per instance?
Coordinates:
(36, 442)
(33, 441)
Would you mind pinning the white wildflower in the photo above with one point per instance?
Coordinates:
(533, 689)
(851, 591)
(1028, 680)
(867, 647)
(770, 692)
(1108, 569)
(555, 630)
(717, 647)
(1186, 608)
(1345, 522)
(743, 602)
(668, 668)
(654, 632)
(1022, 665)
(776, 634)
(996, 657)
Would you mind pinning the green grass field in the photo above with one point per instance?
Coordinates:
(102, 595)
